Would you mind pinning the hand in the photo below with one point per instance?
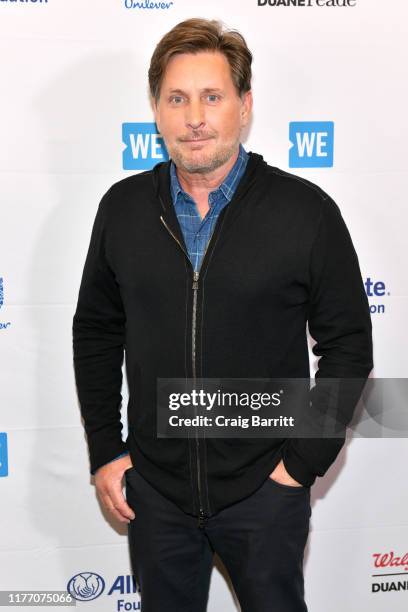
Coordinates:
(108, 483)
(282, 476)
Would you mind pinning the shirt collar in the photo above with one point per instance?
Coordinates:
(227, 186)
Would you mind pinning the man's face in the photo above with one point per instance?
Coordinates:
(200, 114)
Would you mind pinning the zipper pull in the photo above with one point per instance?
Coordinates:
(201, 518)
(195, 281)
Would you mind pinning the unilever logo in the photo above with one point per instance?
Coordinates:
(311, 144)
(144, 147)
(86, 586)
(147, 4)
(2, 325)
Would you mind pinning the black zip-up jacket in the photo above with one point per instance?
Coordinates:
(280, 256)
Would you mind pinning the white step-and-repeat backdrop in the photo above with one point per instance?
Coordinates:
(330, 104)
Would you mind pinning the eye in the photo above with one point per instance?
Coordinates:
(175, 99)
(213, 96)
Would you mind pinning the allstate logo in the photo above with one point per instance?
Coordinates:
(376, 290)
(86, 586)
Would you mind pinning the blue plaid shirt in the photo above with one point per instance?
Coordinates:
(197, 231)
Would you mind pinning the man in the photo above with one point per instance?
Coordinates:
(210, 265)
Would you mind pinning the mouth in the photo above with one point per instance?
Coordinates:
(196, 140)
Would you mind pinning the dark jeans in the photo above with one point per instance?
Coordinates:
(260, 540)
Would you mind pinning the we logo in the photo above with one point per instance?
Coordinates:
(311, 144)
(3, 455)
(144, 147)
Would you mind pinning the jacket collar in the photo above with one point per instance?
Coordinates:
(162, 191)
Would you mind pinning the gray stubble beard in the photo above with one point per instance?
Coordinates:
(220, 158)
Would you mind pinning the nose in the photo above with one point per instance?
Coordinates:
(195, 114)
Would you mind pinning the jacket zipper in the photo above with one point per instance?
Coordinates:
(196, 275)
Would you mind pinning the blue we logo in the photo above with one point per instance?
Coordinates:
(311, 144)
(3, 455)
(144, 147)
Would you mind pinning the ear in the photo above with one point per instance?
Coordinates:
(246, 109)
(156, 113)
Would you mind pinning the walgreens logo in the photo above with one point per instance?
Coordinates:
(394, 577)
(390, 559)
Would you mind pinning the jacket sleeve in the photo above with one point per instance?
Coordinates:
(98, 332)
(340, 323)
(111, 461)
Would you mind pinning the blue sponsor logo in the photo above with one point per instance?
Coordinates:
(376, 290)
(125, 585)
(147, 4)
(86, 586)
(311, 144)
(3, 325)
(144, 146)
(3, 454)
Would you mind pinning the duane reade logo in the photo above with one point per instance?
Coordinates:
(311, 144)
(321, 3)
(146, 4)
(144, 146)
(3, 324)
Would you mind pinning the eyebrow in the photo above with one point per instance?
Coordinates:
(204, 90)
